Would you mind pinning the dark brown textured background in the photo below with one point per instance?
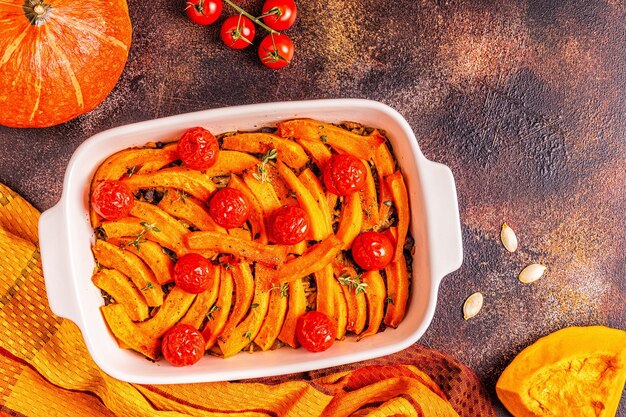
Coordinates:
(524, 100)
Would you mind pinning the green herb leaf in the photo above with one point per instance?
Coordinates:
(261, 175)
(354, 284)
(212, 310)
(389, 300)
(248, 335)
(324, 138)
(254, 305)
(148, 286)
(388, 203)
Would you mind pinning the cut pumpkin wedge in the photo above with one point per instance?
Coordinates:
(355, 303)
(325, 291)
(127, 333)
(182, 206)
(201, 306)
(133, 227)
(112, 257)
(231, 162)
(256, 219)
(573, 372)
(397, 288)
(192, 182)
(273, 321)
(313, 260)
(173, 309)
(341, 309)
(363, 147)
(401, 200)
(152, 255)
(318, 151)
(318, 225)
(310, 181)
(166, 224)
(265, 193)
(253, 251)
(375, 296)
(244, 291)
(350, 220)
(385, 166)
(296, 307)
(219, 312)
(288, 151)
(232, 341)
(118, 286)
(369, 200)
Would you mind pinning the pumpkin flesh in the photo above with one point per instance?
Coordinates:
(64, 63)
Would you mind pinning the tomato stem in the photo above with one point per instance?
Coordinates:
(249, 16)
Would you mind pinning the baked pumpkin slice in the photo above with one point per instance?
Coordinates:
(350, 220)
(342, 140)
(573, 372)
(183, 206)
(243, 282)
(127, 333)
(219, 312)
(256, 219)
(140, 231)
(152, 255)
(204, 301)
(173, 309)
(296, 307)
(118, 286)
(375, 295)
(112, 257)
(273, 321)
(253, 251)
(290, 152)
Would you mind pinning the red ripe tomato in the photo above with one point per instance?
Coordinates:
(229, 208)
(193, 273)
(276, 51)
(372, 250)
(112, 200)
(288, 225)
(198, 148)
(203, 12)
(182, 345)
(315, 331)
(344, 174)
(279, 14)
(237, 32)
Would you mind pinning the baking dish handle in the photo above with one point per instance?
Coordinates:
(442, 209)
(54, 247)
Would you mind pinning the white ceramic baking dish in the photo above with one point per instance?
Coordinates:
(66, 239)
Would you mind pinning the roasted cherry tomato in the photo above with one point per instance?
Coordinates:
(182, 345)
(276, 51)
(344, 174)
(279, 14)
(112, 200)
(237, 32)
(203, 12)
(229, 208)
(288, 225)
(372, 250)
(198, 148)
(315, 331)
(193, 273)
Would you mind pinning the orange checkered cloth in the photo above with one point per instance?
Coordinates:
(45, 369)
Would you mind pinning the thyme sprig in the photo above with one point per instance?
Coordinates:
(261, 174)
(283, 288)
(140, 237)
(355, 284)
(212, 310)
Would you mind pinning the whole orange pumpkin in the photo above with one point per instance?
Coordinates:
(59, 58)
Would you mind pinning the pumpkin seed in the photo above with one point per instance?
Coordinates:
(508, 238)
(472, 305)
(532, 273)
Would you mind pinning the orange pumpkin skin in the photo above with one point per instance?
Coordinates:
(63, 61)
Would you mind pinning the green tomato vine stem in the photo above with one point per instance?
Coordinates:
(249, 16)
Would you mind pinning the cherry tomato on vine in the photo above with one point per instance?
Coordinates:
(198, 148)
(182, 345)
(372, 251)
(288, 225)
(276, 51)
(315, 331)
(344, 174)
(279, 14)
(237, 32)
(203, 12)
(112, 200)
(229, 208)
(193, 273)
